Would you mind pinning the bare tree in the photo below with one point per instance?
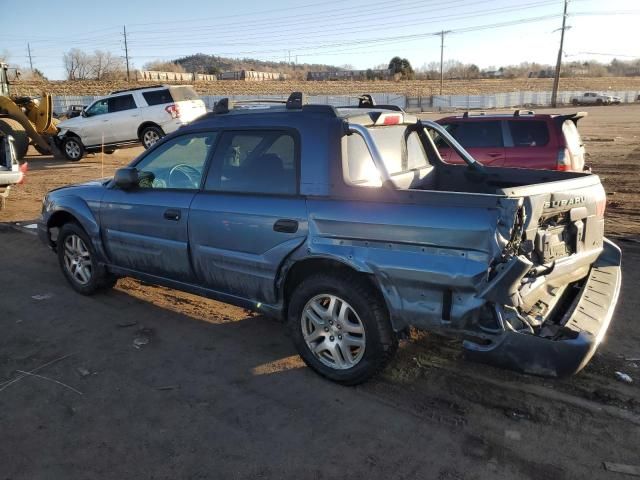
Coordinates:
(106, 66)
(161, 66)
(77, 64)
(4, 56)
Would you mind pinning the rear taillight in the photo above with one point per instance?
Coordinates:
(601, 204)
(563, 162)
(173, 110)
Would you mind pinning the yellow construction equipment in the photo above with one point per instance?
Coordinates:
(28, 119)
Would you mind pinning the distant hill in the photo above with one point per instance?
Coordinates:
(212, 64)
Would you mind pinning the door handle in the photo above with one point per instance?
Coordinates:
(494, 155)
(285, 226)
(172, 214)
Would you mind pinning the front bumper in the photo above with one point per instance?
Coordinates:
(587, 324)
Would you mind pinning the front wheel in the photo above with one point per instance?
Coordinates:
(72, 149)
(150, 135)
(341, 328)
(77, 259)
(575, 102)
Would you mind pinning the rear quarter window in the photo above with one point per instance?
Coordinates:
(157, 97)
(529, 133)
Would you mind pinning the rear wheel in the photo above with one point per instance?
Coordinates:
(575, 102)
(72, 148)
(150, 135)
(12, 127)
(77, 259)
(341, 328)
(599, 102)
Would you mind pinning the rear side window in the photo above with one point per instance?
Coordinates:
(529, 133)
(401, 151)
(477, 134)
(255, 162)
(120, 103)
(157, 97)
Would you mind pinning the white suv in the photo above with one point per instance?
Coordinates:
(128, 118)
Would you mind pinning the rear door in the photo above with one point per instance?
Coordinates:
(529, 144)
(123, 118)
(249, 216)
(482, 138)
(145, 229)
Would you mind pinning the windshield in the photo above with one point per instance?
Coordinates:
(400, 148)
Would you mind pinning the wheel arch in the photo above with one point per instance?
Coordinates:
(77, 211)
(297, 271)
(146, 124)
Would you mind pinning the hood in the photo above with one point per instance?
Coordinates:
(100, 182)
(70, 122)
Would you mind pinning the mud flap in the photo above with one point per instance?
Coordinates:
(587, 325)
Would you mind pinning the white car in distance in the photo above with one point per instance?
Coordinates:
(128, 118)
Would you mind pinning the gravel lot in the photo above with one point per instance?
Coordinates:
(155, 383)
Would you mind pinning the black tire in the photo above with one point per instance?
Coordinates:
(110, 151)
(41, 150)
(379, 338)
(575, 102)
(99, 279)
(150, 135)
(599, 102)
(72, 148)
(12, 127)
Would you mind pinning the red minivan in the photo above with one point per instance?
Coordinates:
(521, 140)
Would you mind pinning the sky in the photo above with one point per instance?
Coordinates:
(360, 33)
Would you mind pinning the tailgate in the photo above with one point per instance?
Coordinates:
(563, 218)
(191, 109)
(560, 238)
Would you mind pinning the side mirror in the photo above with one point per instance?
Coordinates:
(126, 178)
(83, 113)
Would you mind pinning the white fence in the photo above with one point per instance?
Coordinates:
(430, 102)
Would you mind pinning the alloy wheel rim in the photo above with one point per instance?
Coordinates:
(333, 331)
(77, 259)
(72, 149)
(150, 138)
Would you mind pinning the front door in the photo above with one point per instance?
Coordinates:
(249, 216)
(145, 228)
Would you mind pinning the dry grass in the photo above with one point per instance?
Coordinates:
(412, 88)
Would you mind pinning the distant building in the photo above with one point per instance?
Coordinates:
(493, 73)
(370, 74)
(252, 76)
(549, 73)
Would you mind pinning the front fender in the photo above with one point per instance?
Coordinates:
(59, 210)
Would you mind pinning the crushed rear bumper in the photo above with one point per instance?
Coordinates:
(589, 321)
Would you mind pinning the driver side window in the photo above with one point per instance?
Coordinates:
(98, 108)
(178, 163)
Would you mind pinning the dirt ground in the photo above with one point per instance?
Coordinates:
(155, 383)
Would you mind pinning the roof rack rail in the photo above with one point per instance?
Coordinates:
(518, 113)
(467, 114)
(295, 102)
(136, 88)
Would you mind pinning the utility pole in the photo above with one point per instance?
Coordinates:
(442, 34)
(126, 50)
(30, 61)
(556, 78)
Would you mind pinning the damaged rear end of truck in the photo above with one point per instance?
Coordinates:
(512, 261)
(552, 292)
